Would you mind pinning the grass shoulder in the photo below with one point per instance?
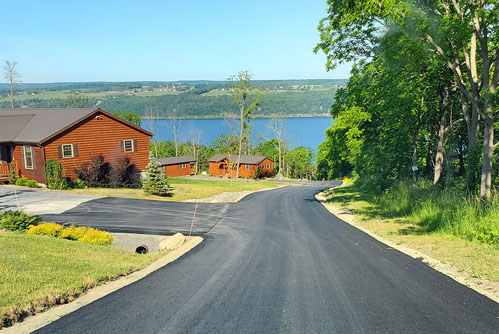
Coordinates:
(184, 188)
(474, 258)
(37, 272)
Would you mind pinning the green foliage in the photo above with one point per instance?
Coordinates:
(17, 220)
(129, 116)
(12, 173)
(156, 182)
(77, 184)
(47, 229)
(25, 182)
(300, 162)
(54, 175)
(75, 100)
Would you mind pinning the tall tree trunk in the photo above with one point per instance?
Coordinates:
(241, 138)
(11, 92)
(488, 151)
(439, 157)
(415, 161)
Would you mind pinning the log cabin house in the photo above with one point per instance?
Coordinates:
(223, 165)
(178, 166)
(30, 137)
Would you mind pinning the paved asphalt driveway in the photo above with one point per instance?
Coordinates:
(278, 262)
(142, 216)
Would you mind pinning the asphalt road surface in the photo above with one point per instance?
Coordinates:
(142, 216)
(278, 262)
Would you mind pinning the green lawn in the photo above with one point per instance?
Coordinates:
(184, 189)
(37, 272)
(476, 259)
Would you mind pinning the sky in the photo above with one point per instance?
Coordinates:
(169, 40)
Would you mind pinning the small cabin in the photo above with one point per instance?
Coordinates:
(30, 137)
(179, 166)
(250, 166)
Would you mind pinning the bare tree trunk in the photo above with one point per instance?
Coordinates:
(241, 138)
(415, 161)
(488, 151)
(439, 157)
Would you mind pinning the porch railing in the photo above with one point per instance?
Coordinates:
(4, 169)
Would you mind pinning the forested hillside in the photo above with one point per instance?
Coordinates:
(420, 108)
(182, 99)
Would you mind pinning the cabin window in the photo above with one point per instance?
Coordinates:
(247, 167)
(67, 151)
(268, 166)
(28, 157)
(193, 164)
(262, 166)
(128, 145)
(182, 166)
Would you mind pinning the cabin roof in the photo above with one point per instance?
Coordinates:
(38, 125)
(176, 160)
(245, 159)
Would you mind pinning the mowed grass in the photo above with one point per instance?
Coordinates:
(37, 272)
(477, 259)
(184, 189)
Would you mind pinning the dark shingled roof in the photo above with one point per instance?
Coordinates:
(37, 125)
(176, 160)
(245, 159)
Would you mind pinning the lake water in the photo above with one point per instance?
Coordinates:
(298, 131)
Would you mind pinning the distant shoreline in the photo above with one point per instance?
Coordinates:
(259, 116)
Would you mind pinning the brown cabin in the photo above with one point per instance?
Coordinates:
(248, 165)
(30, 137)
(178, 166)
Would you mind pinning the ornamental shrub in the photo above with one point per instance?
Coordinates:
(156, 182)
(25, 182)
(124, 174)
(73, 232)
(48, 229)
(18, 220)
(21, 181)
(77, 184)
(97, 237)
(95, 173)
(54, 174)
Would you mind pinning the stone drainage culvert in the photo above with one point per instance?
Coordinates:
(147, 243)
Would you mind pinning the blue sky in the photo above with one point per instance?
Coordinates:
(163, 40)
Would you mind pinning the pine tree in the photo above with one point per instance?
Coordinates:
(157, 181)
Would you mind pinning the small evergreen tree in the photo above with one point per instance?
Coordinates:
(156, 182)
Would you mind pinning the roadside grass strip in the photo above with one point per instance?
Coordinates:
(37, 272)
(183, 189)
(476, 257)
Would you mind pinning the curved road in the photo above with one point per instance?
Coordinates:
(278, 262)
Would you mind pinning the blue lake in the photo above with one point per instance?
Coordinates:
(298, 131)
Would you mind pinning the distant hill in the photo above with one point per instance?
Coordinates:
(188, 98)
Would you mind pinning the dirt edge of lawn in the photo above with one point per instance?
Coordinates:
(485, 287)
(37, 321)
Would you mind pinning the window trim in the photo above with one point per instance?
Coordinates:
(268, 165)
(247, 167)
(31, 157)
(132, 148)
(182, 166)
(72, 151)
(262, 166)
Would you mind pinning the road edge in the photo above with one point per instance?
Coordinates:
(462, 278)
(37, 321)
